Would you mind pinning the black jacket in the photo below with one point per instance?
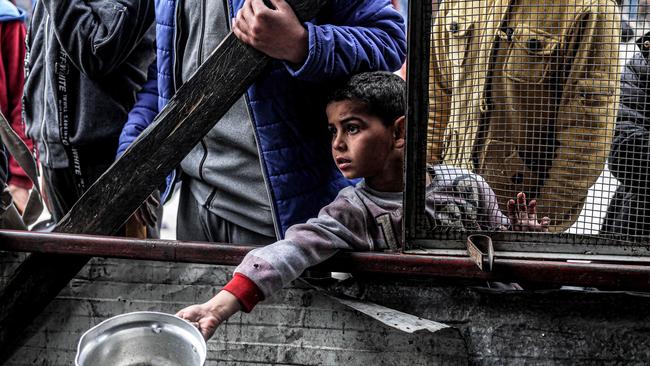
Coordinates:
(629, 160)
(86, 60)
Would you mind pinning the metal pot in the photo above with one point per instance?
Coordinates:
(142, 338)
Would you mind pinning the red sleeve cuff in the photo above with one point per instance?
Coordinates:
(245, 290)
(19, 181)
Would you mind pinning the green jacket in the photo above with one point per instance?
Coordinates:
(525, 94)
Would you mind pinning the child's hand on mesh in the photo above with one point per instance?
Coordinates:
(523, 217)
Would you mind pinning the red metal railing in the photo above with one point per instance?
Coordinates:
(600, 275)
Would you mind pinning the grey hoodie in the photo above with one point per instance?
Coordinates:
(225, 171)
(363, 219)
(86, 60)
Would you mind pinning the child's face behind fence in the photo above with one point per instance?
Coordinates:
(363, 147)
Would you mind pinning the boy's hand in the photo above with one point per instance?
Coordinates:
(276, 32)
(208, 316)
(524, 217)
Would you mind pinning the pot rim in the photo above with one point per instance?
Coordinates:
(153, 316)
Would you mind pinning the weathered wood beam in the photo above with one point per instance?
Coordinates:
(192, 112)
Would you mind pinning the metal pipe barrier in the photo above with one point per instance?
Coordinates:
(609, 276)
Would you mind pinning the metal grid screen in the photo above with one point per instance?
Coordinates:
(546, 97)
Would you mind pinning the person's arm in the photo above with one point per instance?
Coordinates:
(99, 36)
(630, 153)
(13, 44)
(340, 226)
(362, 36)
(490, 214)
(143, 113)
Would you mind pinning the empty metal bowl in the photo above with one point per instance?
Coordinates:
(142, 338)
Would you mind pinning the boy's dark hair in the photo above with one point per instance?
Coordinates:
(382, 93)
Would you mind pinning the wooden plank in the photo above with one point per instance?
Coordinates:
(194, 110)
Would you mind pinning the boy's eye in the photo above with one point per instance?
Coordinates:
(352, 129)
(332, 130)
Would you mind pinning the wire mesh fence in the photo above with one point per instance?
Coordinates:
(546, 97)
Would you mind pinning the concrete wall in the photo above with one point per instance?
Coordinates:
(548, 327)
(297, 327)
(302, 327)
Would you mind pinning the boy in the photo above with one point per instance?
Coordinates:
(366, 119)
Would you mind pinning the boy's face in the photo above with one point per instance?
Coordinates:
(362, 146)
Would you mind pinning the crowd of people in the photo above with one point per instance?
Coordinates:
(308, 162)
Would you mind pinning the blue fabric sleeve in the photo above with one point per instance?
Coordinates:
(371, 37)
(143, 112)
(141, 116)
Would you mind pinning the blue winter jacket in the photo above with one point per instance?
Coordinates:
(287, 105)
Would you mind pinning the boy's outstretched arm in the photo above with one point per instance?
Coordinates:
(265, 270)
(523, 217)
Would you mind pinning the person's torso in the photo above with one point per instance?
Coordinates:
(64, 106)
(225, 166)
(531, 96)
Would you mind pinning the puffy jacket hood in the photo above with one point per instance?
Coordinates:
(9, 12)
